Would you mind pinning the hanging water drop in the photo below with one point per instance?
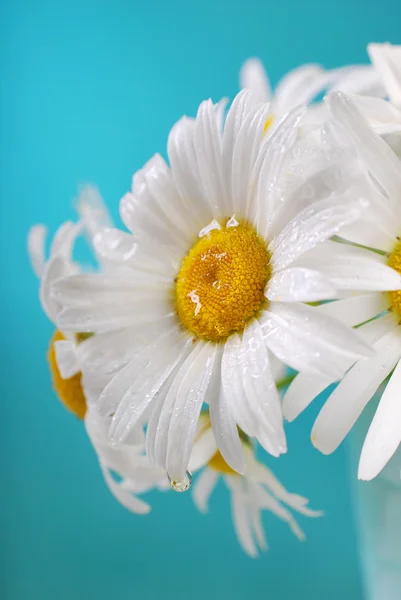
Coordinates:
(181, 485)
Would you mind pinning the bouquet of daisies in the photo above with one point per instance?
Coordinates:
(259, 265)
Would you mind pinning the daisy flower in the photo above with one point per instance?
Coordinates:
(252, 493)
(135, 474)
(210, 289)
(375, 275)
(126, 468)
(305, 84)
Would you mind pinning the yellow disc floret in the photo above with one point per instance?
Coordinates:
(395, 262)
(217, 463)
(221, 283)
(69, 390)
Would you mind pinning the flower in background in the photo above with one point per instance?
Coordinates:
(374, 272)
(126, 469)
(210, 287)
(306, 84)
(251, 493)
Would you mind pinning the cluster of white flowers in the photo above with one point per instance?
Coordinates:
(270, 240)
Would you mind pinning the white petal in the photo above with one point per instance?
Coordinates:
(224, 426)
(92, 211)
(143, 389)
(119, 385)
(387, 60)
(241, 516)
(231, 381)
(384, 435)
(382, 116)
(66, 358)
(313, 225)
(357, 309)
(245, 153)
(309, 341)
(260, 389)
(348, 400)
(351, 268)
(185, 170)
(193, 388)
(301, 392)
(36, 248)
(299, 284)
(254, 77)
(204, 449)
(269, 502)
(379, 158)
(240, 107)
(204, 486)
(359, 79)
(256, 520)
(293, 89)
(269, 171)
(123, 496)
(55, 268)
(208, 144)
(64, 240)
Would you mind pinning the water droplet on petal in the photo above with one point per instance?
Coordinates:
(181, 485)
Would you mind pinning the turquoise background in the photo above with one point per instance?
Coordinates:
(89, 91)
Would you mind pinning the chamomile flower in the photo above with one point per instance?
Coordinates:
(256, 491)
(375, 275)
(63, 349)
(126, 469)
(209, 288)
(305, 84)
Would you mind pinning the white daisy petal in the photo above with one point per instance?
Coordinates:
(185, 170)
(64, 239)
(301, 392)
(143, 390)
(36, 248)
(260, 390)
(66, 358)
(203, 488)
(56, 268)
(225, 428)
(313, 225)
(232, 386)
(309, 341)
(253, 77)
(294, 87)
(123, 496)
(268, 501)
(256, 520)
(266, 180)
(187, 406)
(240, 107)
(208, 143)
(348, 400)
(92, 211)
(384, 435)
(387, 60)
(357, 309)
(119, 385)
(204, 449)
(299, 284)
(241, 516)
(379, 158)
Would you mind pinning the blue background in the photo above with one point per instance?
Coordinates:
(89, 91)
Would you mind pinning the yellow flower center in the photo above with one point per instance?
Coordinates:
(217, 463)
(69, 390)
(221, 283)
(394, 261)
